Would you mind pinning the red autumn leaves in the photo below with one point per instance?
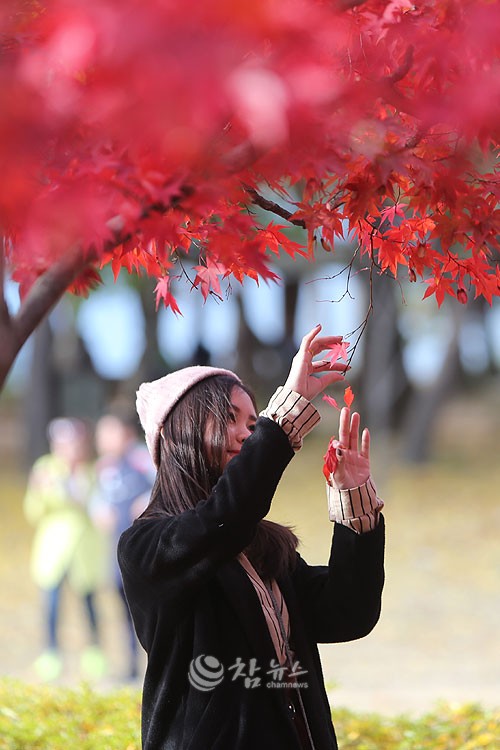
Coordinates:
(337, 351)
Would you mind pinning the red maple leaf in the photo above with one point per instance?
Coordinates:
(163, 293)
(338, 351)
(330, 400)
(330, 458)
(348, 396)
(440, 286)
(208, 277)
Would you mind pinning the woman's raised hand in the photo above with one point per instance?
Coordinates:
(352, 467)
(308, 377)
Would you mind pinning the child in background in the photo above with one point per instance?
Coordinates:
(67, 546)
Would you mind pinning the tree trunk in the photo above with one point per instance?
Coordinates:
(41, 395)
(423, 408)
(383, 381)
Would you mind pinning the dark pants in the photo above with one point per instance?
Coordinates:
(52, 613)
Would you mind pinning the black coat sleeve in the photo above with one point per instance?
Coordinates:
(172, 557)
(341, 601)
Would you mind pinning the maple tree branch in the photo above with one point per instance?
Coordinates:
(8, 352)
(241, 157)
(347, 4)
(364, 323)
(4, 310)
(403, 69)
(48, 290)
(273, 207)
(41, 298)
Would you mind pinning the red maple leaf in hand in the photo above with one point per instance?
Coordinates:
(337, 351)
(330, 459)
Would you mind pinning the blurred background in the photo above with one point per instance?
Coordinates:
(427, 383)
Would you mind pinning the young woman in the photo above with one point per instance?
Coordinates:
(227, 610)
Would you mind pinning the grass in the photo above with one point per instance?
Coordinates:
(48, 718)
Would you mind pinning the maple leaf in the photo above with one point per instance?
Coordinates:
(275, 239)
(330, 459)
(337, 351)
(331, 401)
(439, 286)
(390, 254)
(390, 212)
(208, 277)
(348, 396)
(163, 293)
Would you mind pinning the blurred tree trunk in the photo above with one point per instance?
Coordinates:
(265, 366)
(425, 404)
(152, 364)
(41, 404)
(383, 383)
(63, 382)
(247, 346)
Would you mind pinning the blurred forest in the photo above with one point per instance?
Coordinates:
(407, 357)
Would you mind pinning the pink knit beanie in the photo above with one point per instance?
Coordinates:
(155, 400)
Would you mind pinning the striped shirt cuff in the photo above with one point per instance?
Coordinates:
(294, 414)
(357, 508)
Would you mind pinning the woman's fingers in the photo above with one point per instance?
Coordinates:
(365, 443)
(354, 432)
(315, 344)
(349, 432)
(344, 426)
(324, 365)
(307, 340)
(323, 343)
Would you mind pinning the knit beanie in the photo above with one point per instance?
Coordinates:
(155, 400)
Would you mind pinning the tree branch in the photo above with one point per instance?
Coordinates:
(403, 69)
(347, 4)
(4, 310)
(42, 297)
(273, 207)
(48, 290)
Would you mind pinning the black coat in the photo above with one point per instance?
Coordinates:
(190, 598)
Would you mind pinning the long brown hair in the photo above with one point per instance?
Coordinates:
(187, 471)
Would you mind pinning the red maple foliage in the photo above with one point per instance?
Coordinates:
(137, 134)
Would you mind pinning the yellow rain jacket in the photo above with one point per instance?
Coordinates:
(66, 542)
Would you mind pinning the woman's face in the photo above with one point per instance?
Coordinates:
(240, 424)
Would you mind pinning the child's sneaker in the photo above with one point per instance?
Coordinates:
(93, 663)
(48, 666)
